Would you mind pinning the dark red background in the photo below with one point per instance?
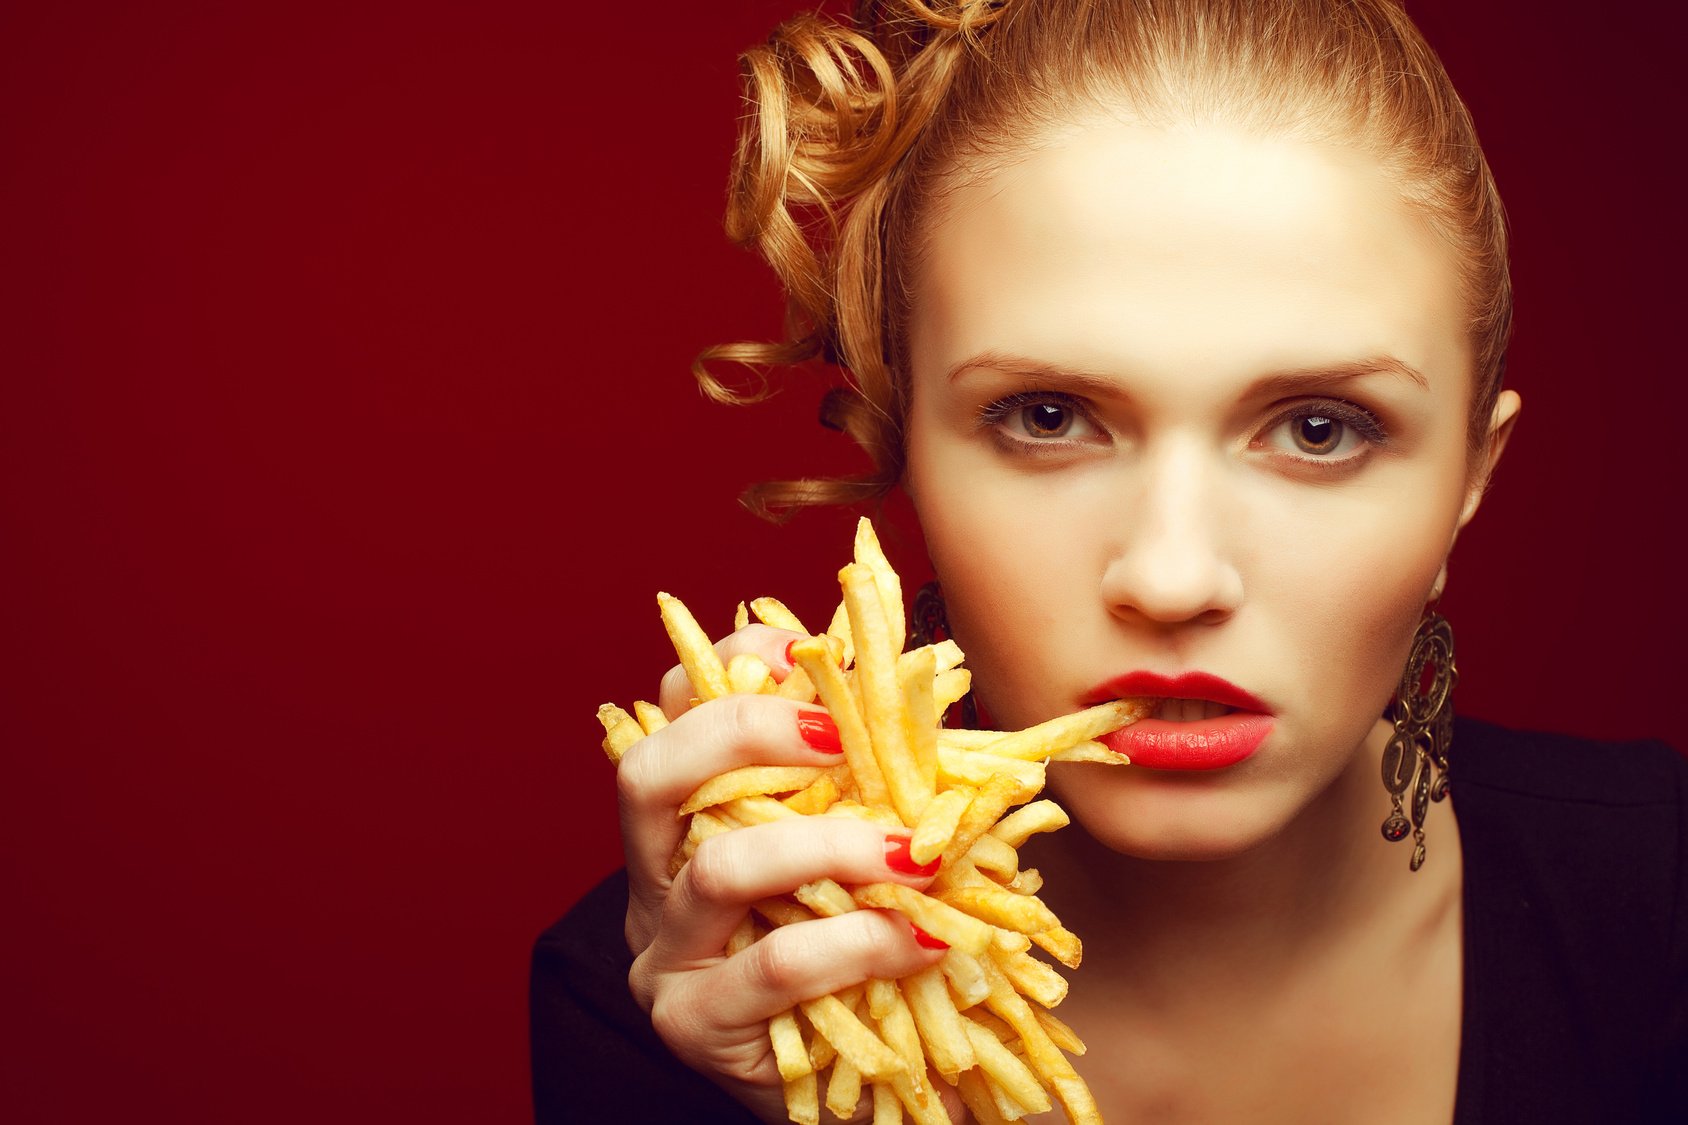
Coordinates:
(346, 436)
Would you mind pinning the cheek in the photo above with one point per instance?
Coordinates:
(1011, 566)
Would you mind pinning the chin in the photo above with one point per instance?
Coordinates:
(1171, 820)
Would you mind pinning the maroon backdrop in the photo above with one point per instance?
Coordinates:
(346, 436)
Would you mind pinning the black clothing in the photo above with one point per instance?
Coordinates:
(1576, 953)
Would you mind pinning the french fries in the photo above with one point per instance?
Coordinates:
(978, 1020)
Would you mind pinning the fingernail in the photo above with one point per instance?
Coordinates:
(789, 645)
(926, 940)
(820, 732)
(897, 857)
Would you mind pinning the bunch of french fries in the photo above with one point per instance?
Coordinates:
(980, 1019)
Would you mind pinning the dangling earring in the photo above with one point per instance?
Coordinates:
(929, 624)
(1423, 714)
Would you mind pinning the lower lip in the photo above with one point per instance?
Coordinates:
(1210, 744)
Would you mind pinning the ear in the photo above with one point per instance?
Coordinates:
(1507, 406)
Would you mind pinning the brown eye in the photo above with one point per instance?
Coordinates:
(1316, 434)
(1047, 419)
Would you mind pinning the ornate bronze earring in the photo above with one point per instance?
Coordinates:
(929, 624)
(1423, 714)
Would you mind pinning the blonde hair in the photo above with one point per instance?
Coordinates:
(853, 133)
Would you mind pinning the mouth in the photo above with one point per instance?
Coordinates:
(1200, 721)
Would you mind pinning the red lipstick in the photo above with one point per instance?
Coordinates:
(1201, 744)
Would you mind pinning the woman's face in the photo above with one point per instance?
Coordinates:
(1189, 400)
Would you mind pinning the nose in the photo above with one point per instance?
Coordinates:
(1170, 563)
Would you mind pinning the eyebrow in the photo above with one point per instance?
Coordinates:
(1277, 381)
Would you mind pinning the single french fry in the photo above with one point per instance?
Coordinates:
(1027, 820)
(802, 1099)
(949, 686)
(1005, 1068)
(741, 617)
(782, 912)
(965, 977)
(650, 716)
(937, 824)
(986, 808)
(976, 1096)
(621, 730)
(992, 855)
(820, 795)
(897, 1027)
(870, 555)
(1045, 1058)
(945, 656)
(789, 1052)
(1024, 914)
(744, 935)
(946, 923)
(881, 816)
(919, 715)
(1007, 941)
(1090, 752)
(755, 809)
(772, 611)
(825, 898)
(971, 767)
(822, 1053)
(750, 781)
(1062, 944)
(839, 630)
(843, 1088)
(851, 1036)
(747, 674)
(938, 1021)
(1028, 882)
(960, 738)
(876, 671)
(691, 644)
(1031, 977)
(797, 685)
(1063, 1036)
(887, 1107)
(1056, 734)
(815, 658)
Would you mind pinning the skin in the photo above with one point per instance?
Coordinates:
(1168, 305)
(1238, 922)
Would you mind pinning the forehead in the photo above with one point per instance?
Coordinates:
(1107, 242)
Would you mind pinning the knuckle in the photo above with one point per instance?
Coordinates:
(713, 870)
(777, 961)
(672, 1021)
(738, 719)
(641, 982)
(674, 684)
(633, 775)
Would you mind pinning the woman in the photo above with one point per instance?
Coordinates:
(1183, 326)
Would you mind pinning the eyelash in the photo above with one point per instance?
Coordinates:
(1356, 417)
(994, 414)
(1363, 422)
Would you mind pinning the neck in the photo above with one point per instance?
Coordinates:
(1326, 877)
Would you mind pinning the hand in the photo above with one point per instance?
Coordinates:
(712, 1010)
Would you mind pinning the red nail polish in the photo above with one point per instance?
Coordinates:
(820, 732)
(897, 857)
(789, 645)
(926, 940)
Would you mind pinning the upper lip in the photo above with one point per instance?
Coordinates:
(1185, 685)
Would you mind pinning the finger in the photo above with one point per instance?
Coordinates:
(770, 644)
(660, 771)
(789, 965)
(731, 871)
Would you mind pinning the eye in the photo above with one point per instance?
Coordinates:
(1324, 430)
(1035, 417)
